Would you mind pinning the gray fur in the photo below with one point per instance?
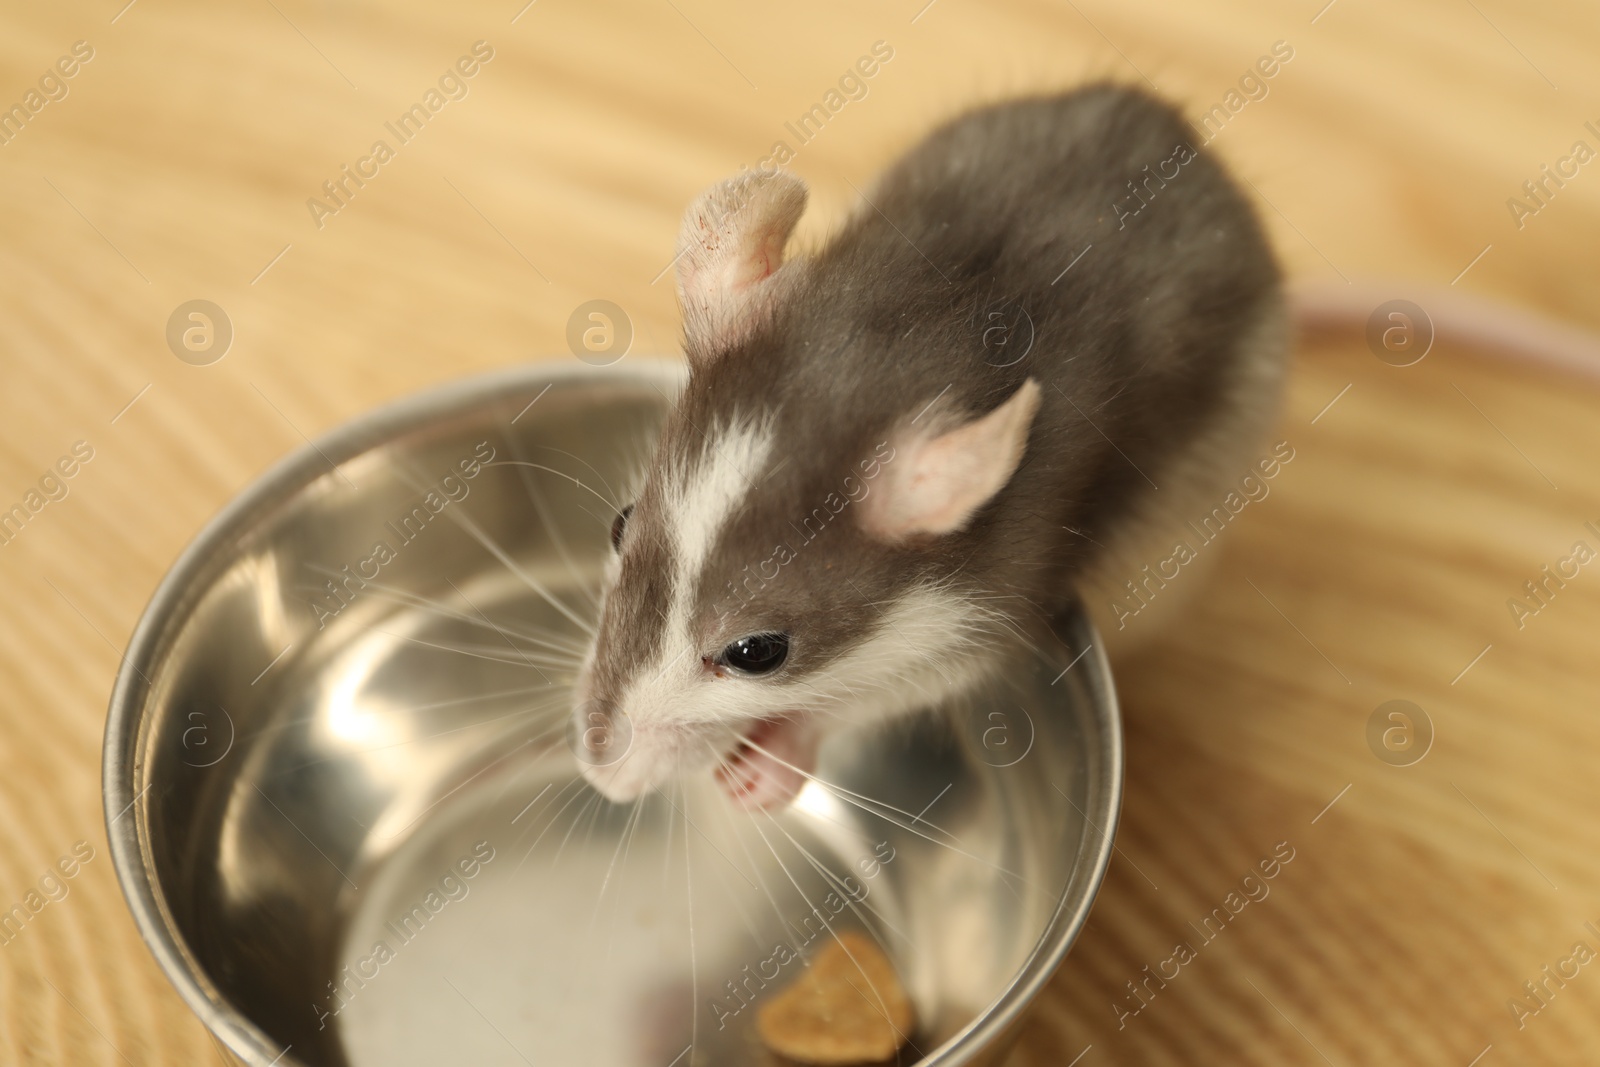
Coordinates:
(1135, 347)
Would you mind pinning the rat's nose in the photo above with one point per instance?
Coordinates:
(600, 733)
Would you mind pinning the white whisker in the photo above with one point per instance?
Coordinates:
(560, 474)
(883, 1007)
(493, 656)
(551, 529)
(849, 797)
(576, 794)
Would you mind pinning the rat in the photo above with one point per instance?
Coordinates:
(1053, 331)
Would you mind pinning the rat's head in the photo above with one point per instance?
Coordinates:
(777, 573)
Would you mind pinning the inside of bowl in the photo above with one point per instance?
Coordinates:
(365, 825)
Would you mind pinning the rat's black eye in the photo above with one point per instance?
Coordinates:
(757, 654)
(619, 524)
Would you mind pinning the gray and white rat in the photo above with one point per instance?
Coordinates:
(861, 493)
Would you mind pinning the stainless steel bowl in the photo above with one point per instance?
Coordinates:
(344, 815)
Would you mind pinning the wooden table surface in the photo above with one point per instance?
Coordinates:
(176, 164)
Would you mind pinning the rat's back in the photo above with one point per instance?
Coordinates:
(1087, 241)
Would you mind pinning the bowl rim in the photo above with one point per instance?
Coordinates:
(124, 738)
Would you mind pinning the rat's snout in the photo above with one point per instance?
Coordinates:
(600, 734)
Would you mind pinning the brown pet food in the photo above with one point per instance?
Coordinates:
(847, 1008)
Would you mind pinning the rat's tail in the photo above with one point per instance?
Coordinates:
(1489, 327)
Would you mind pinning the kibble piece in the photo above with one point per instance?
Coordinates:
(846, 1008)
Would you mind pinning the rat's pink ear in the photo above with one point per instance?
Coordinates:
(729, 249)
(935, 483)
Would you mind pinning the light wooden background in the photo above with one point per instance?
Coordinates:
(179, 165)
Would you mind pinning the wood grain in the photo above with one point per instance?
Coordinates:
(179, 164)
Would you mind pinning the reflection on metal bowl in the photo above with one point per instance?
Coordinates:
(344, 813)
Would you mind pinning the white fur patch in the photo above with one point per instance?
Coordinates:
(919, 653)
(700, 497)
